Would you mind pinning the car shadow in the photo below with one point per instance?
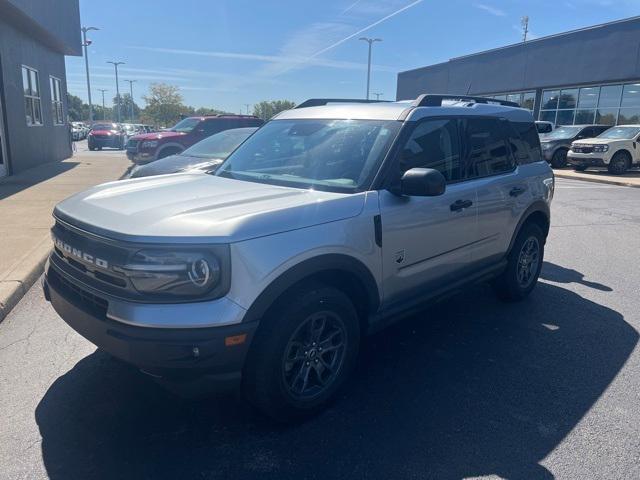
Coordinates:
(18, 182)
(558, 274)
(469, 387)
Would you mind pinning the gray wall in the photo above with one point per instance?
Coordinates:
(30, 146)
(607, 53)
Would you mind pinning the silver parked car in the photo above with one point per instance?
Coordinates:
(205, 156)
(329, 222)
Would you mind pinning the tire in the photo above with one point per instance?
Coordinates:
(524, 265)
(580, 168)
(619, 164)
(291, 390)
(559, 159)
(167, 152)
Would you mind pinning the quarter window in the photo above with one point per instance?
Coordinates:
(32, 102)
(486, 147)
(434, 144)
(57, 110)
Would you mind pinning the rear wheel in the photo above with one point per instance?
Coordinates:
(303, 352)
(620, 163)
(524, 265)
(559, 159)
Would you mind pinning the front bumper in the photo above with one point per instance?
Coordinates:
(140, 157)
(175, 355)
(111, 142)
(586, 159)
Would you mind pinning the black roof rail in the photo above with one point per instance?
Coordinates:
(432, 100)
(319, 102)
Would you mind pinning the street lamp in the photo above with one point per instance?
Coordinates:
(115, 64)
(131, 82)
(370, 41)
(104, 112)
(85, 44)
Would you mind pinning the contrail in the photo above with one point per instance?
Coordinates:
(350, 7)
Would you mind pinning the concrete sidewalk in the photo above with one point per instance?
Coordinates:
(26, 202)
(629, 179)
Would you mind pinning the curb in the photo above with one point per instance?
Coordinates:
(592, 179)
(17, 282)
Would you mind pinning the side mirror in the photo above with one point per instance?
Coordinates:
(422, 182)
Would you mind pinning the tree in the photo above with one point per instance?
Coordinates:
(125, 107)
(202, 111)
(164, 105)
(267, 109)
(77, 109)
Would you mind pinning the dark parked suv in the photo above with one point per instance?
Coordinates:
(148, 147)
(556, 145)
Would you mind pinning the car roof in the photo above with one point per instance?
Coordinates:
(402, 110)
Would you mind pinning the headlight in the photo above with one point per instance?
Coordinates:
(180, 275)
(601, 148)
(149, 144)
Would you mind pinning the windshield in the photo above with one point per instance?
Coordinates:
(185, 125)
(103, 126)
(219, 145)
(334, 155)
(620, 133)
(563, 132)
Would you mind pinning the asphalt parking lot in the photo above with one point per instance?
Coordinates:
(469, 388)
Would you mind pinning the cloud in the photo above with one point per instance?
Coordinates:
(490, 9)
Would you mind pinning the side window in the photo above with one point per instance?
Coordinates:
(212, 126)
(486, 148)
(525, 143)
(434, 144)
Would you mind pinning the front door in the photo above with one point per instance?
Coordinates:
(426, 240)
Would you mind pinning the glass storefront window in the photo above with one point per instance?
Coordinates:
(631, 95)
(514, 97)
(529, 100)
(550, 99)
(565, 117)
(629, 116)
(589, 97)
(585, 117)
(610, 96)
(568, 99)
(607, 116)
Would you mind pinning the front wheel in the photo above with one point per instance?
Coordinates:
(559, 159)
(524, 265)
(303, 353)
(619, 164)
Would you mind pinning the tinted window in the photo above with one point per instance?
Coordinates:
(487, 152)
(525, 142)
(433, 144)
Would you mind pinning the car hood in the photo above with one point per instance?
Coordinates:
(195, 207)
(598, 141)
(158, 135)
(173, 164)
(104, 132)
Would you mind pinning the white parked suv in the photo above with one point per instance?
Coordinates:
(328, 223)
(617, 149)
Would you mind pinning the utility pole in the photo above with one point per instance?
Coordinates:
(378, 95)
(115, 64)
(131, 82)
(85, 44)
(370, 41)
(525, 27)
(104, 111)
(247, 105)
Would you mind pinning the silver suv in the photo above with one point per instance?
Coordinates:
(329, 222)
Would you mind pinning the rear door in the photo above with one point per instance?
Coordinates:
(501, 191)
(425, 240)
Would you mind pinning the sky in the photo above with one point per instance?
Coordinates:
(226, 54)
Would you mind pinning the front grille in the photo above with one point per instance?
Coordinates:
(132, 145)
(112, 279)
(77, 295)
(583, 149)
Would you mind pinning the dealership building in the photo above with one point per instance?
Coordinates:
(584, 76)
(35, 36)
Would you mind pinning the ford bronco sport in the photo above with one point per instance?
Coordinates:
(616, 149)
(147, 147)
(330, 221)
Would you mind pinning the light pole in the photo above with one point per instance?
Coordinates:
(104, 112)
(131, 82)
(247, 105)
(370, 41)
(115, 64)
(85, 44)
(378, 95)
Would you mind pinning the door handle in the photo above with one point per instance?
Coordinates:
(460, 205)
(517, 191)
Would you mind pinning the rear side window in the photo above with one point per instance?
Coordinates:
(487, 152)
(525, 142)
(433, 144)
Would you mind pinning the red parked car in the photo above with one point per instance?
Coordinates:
(109, 135)
(148, 147)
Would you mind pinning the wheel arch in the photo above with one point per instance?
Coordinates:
(540, 214)
(626, 151)
(172, 145)
(341, 271)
